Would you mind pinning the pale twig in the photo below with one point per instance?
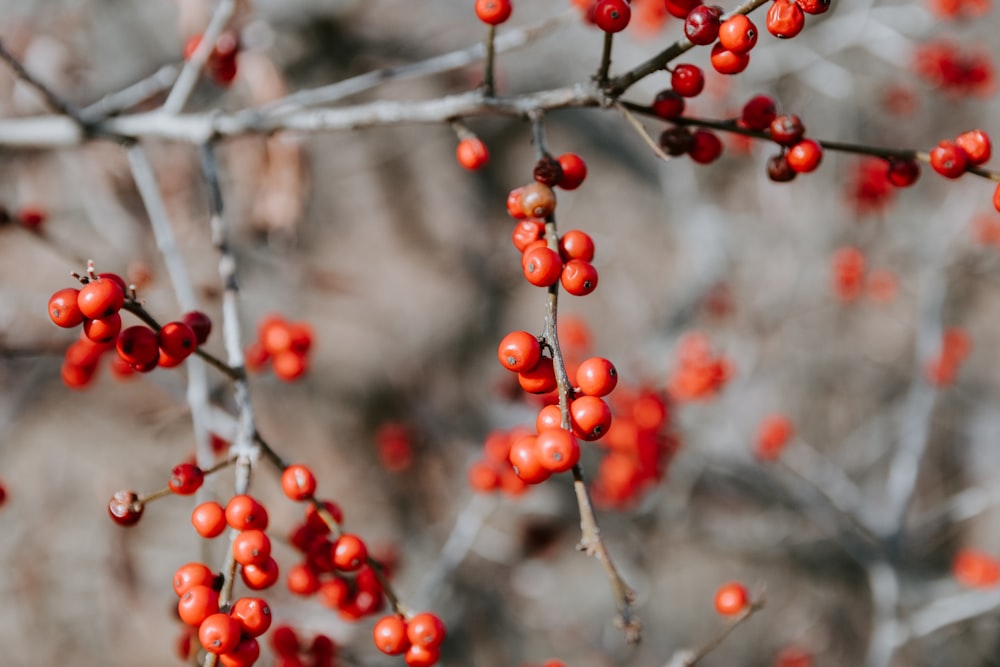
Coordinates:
(122, 100)
(510, 40)
(688, 657)
(943, 612)
(197, 377)
(590, 533)
(641, 130)
(883, 584)
(188, 78)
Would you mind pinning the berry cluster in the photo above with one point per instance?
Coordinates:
(700, 372)
(292, 651)
(850, 278)
(221, 64)
(951, 159)
(418, 639)
(140, 348)
(283, 344)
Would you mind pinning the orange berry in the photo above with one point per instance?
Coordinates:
(731, 599)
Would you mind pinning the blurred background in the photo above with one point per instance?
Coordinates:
(401, 263)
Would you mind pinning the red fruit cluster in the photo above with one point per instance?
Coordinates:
(942, 369)
(951, 159)
(700, 373)
(231, 635)
(945, 66)
(284, 344)
(773, 434)
(292, 651)
(703, 146)
(418, 638)
(221, 64)
(976, 569)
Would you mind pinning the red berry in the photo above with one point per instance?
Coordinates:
(519, 351)
(976, 144)
(219, 633)
(612, 15)
(758, 113)
(787, 130)
(103, 330)
(253, 615)
(425, 630)
(493, 12)
(668, 104)
(590, 417)
(100, 298)
(701, 26)
(574, 171)
(687, 80)
(538, 200)
(706, 147)
(472, 153)
(596, 377)
(198, 603)
(244, 512)
(778, 169)
(804, 156)
(676, 140)
(996, 197)
(422, 656)
(814, 6)
(284, 641)
(63, 308)
(349, 553)
(727, 62)
(315, 521)
(200, 323)
(515, 206)
(251, 547)
(785, 19)
(523, 458)
(538, 380)
(138, 345)
(773, 434)
(185, 479)
(190, 575)
(738, 34)
(245, 654)
(949, 159)
(527, 231)
(542, 266)
(30, 217)
(903, 172)
(548, 417)
(298, 482)
(557, 450)
(302, 580)
(575, 244)
(731, 599)
(390, 637)
(125, 508)
(260, 575)
(578, 277)
(209, 519)
(177, 340)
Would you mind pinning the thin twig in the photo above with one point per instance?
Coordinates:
(489, 86)
(605, 66)
(188, 77)
(122, 100)
(687, 657)
(641, 130)
(54, 100)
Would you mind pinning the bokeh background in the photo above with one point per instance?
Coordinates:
(401, 263)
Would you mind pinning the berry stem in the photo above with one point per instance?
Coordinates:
(641, 130)
(490, 46)
(145, 498)
(54, 100)
(689, 658)
(605, 65)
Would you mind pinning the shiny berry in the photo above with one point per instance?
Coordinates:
(245, 653)
(425, 630)
(260, 575)
(177, 340)
(527, 231)
(903, 172)
(422, 656)
(676, 140)
(681, 8)
(103, 330)
(138, 345)
(193, 574)
(244, 512)
(596, 377)
(209, 519)
(538, 200)
(251, 547)
(197, 603)
(298, 482)
(738, 34)
(758, 113)
(590, 417)
(538, 380)
(515, 205)
(200, 323)
(63, 308)
(185, 479)
(668, 104)
(542, 266)
(787, 129)
(785, 19)
(578, 277)
(687, 80)
(728, 62)
(493, 12)
(706, 147)
(778, 169)
(253, 615)
(701, 26)
(612, 15)
(949, 159)
(472, 153)
(731, 599)
(219, 633)
(804, 156)
(100, 298)
(519, 351)
(125, 508)
(574, 171)
(390, 637)
(349, 553)
(976, 144)
(557, 450)
(576, 244)
(814, 6)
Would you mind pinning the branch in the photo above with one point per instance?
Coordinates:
(54, 100)
(687, 657)
(191, 71)
(114, 103)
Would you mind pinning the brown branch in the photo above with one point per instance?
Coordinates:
(689, 658)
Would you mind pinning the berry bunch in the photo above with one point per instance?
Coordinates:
(283, 344)
(951, 159)
(418, 638)
(221, 64)
(700, 373)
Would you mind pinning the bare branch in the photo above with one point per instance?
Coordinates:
(188, 77)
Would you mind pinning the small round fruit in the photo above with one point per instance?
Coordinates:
(804, 156)
(138, 345)
(706, 147)
(100, 298)
(209, 519)
(177, 340)
(190, 575)
(668, 104)
(903, 172)
(738, 34)
(519, 351)
(701, 26)
(778, 169)
(548, 417)
(261, 575)
(245, 654)
(185, 479)
(197, 603)
(524, 460)
(526, 232)
(948, 159)
(103, 330)
(590, 417)
(542, 266)
(425, 630)
(422, 656)
(298, 482)
(576, 244)
(251, 547)
(539, 380)
(814, 6)
(976, 145)
(557, 450)
(125, 508)
(493, 12)
(253, 615)
(680, 8)
(200, 323)
(728, 62)
(612, 15)
(472, 153)
(547, 171)
(574, 171)
(731, 599)
(676, 140)
(63, 308)
(787, 129)
(578, 277)
(687, 80)
(219, 633)
(785, 19)
(758, 113)
(244, 512)
(349, 553)
(596, 377)
(390, 637)
(538, 200)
